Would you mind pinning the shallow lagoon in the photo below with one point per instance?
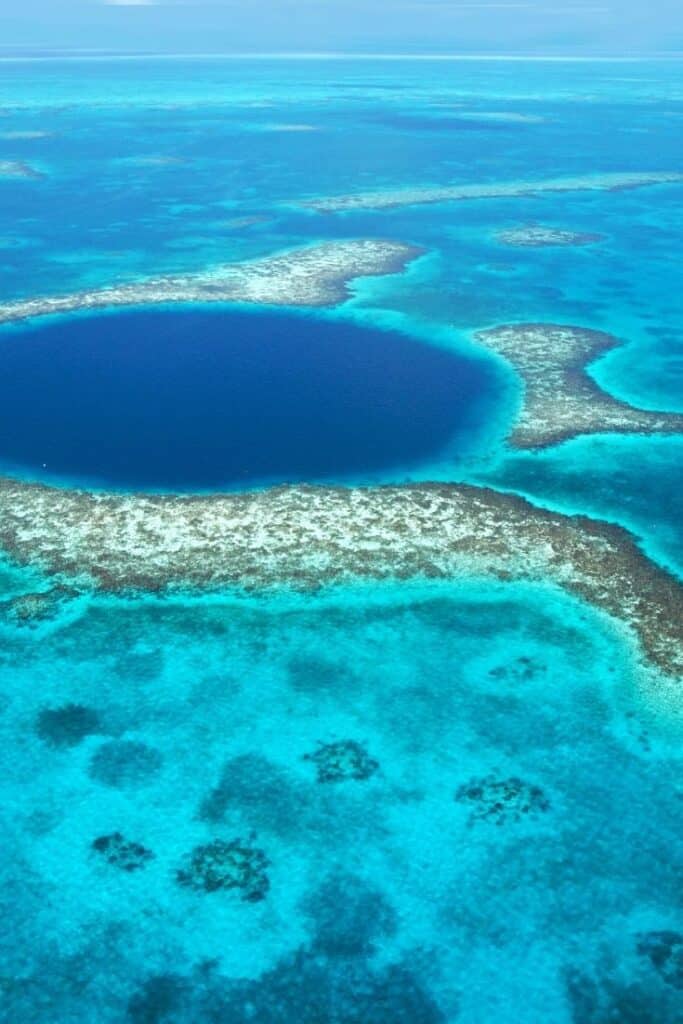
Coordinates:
(393, 895)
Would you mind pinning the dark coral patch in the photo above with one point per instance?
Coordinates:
(608, 999)
(346, 759)
(222, 865)
(521, 670)
(40, 606)
(303, 988)
(310, 990)
(140, 665)
(251, 783)
(312, 674)
(664, 950)
(348, 916)
(68, 725)
(124, 763)
(160, 999)
(121, 852)
(502, 800)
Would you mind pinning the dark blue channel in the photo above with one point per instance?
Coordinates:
(197, 399)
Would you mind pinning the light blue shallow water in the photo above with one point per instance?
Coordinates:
(453, 802)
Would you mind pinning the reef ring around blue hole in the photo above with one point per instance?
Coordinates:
(195, 399)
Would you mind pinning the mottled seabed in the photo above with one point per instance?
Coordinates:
(359, 754)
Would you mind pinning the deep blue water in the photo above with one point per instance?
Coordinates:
(199, 399)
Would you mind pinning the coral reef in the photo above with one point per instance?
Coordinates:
(40, 606)
(314, 276)
(124, 763)
(121, 852)
(536, 236)
(67, 726)
(341, 761)
(388, 198)
(560, 399)
(222, 865)
(306, 537)
(502, 800)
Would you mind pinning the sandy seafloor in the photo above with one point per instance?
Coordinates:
(388, 899)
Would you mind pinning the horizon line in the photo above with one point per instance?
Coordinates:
(99, 53)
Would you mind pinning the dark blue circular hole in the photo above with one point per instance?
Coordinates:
(195, 399)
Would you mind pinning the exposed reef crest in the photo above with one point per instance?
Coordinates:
(305, 537)
(18, 169)
(560, 399)
(312, 276)
(539, 236)
(388, 198)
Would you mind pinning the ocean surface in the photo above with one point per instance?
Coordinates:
(445, 802)
(185, 400)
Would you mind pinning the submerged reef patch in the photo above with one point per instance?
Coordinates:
(609, 182)
(341, 761)
(67, 726)
(306, 537)
(222, 865)
(560, 399)
(349, 917)
(261, 790)
(18, 169)
(314, 276)
(304, 987)
(664, 950)
(36, 607)
(124, 763)
(612, 998)
(521, 670)
(502, 800)
(121, 852)
(537, 236)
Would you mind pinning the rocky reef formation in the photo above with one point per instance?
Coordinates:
(306, 537)
(121, 853)
(500, 800)
(388, 198)
(341, 761)
(536, 236)
(314, 276)
(560, 399)
(222, 865)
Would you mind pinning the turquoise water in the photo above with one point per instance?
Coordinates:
(202, 719)
(408, 803)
